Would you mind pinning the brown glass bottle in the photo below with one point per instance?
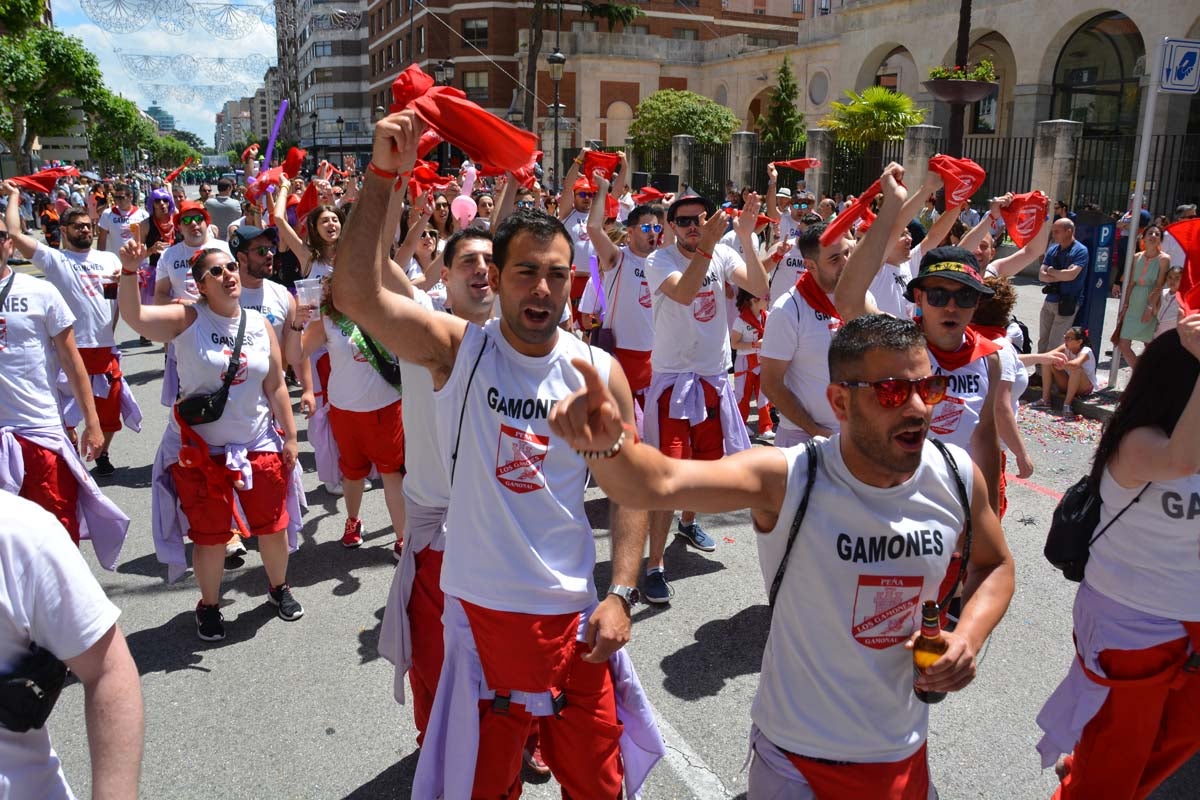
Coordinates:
(928, 649)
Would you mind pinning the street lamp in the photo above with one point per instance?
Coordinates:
(313, 119)
(556, 61)
(341, 125)
(443, 74)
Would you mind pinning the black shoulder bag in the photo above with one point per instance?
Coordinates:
(201, 408)
(28, 693)
(385, 365)
(1070, 539)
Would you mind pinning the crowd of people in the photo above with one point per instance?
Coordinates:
(483, 360)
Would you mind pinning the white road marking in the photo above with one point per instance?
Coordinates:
(691, 769)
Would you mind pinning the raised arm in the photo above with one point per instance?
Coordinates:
(751, 275)
(682, 287)
(1033, 251)
(26, 245)
(772, 209)
(288, 237)
(973, 237)
(619, 180)
(506, 201)
(607, 254)
(850, 296)
(160, 323)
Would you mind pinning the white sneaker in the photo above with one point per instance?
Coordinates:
(333, 488)
(235, 549)
(366, 484)
(767, 436)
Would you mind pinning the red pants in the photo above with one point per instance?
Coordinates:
(581, 744)
(677, 438)
(636, 365)
(208, 504)
(425, 606)
(899, 780)
(1141, 734)
(50, 483)
(368, 437)
(103, 361)
(750, 390)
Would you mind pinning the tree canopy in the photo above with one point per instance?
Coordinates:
(613, 13)
(877, 114)
(670, 112)
(190, 139)
(783, 121)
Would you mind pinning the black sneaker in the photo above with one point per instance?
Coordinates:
(104, 467)
(286, 605)
(210, 625)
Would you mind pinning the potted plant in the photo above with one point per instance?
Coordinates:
(961, 84)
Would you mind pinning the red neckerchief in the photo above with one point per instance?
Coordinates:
(973, 348)
(991, 332)
(815, 296)
(165, 232)
(753, 320)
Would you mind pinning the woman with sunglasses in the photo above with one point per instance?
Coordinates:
(442, 220)
(160, 234)
(200, 466)
(1138, 314)
(1124, 717)
(1072, 369)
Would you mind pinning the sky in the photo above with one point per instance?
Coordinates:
(198, 114)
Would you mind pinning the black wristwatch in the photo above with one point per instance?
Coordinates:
(629, 594)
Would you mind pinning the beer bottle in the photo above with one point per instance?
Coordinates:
(928, 649)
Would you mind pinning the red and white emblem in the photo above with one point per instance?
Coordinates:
(644, 295)
(1027, 220)
(947, 414)
(519, 458)
(704, 307)
(885, 609)
(240, 377)
(962, 193)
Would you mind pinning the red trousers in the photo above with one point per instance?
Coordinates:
(580, 744)
(50, 483)
(103, 361)
(899, 780)
(425, 606)
(1141, 734)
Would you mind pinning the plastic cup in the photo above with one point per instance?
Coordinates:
(308, 292)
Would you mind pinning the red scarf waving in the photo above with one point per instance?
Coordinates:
(815, 296)
(974, 347)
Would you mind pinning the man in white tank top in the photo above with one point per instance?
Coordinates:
(520, 606)
(835, 715)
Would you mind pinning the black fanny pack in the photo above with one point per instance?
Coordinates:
(388, 369)
(29, 692)
(201, 408)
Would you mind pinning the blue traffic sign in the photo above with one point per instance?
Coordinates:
(1180, 69)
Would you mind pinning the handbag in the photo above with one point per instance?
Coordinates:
(1067, 305)
(28, 693)
(1070, 538)
(603, 337)
(387, 368)
(199, 409)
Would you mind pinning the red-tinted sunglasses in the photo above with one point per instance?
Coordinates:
(894, 392)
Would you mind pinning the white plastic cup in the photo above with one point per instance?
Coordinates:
(308, 292)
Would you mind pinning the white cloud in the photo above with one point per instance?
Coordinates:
(198, 115)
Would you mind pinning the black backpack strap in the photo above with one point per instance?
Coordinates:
(235, 357)
(462, 411)
(965, 500)
(812, 454)
(1119, 514)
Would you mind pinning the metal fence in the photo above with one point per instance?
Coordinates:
(656, 160)
(1008, 161)
(709, 170)
(766, 152)
(1104, 172)
(856, 168)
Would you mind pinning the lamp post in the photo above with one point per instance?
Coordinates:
(313, 119)
(443, 74)
(556, 61)
(341, 125)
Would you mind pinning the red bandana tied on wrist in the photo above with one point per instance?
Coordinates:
(1187, 233)
(844, 221)
(799, 164)
(973, 348)
(815, 296)
(45, 180)
(962, 177)
(1025, 216)
(484, 137)
(173, 174)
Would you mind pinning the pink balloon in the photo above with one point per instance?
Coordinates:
(464, 210)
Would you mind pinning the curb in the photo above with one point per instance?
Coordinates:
(1098, 405)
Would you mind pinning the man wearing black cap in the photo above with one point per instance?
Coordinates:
(691, 411)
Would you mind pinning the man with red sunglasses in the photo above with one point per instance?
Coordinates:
(835, 714)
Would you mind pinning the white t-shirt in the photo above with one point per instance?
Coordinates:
(1011, 369)
(271, 300)
(888, 288)
(800, 335)
(354, 385)
(749, 335)
(33, 314)
(1148, 559)
(174, 266)
(116, 222)
(1168, 312)
(80, 278)
(518, 537)
(425, 483)
(836, 681)
(730, 239)
(320, 269)
(629, 305)
(956, 417)
(1089, 364)
(692, 338)
(576, 225)
(47, 596)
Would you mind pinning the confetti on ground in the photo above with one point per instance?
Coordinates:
(1051, 431)
(729, 540)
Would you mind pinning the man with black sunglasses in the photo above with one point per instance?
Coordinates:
(835, 714)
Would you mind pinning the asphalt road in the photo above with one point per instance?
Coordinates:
(304, 709)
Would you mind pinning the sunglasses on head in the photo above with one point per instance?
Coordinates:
(192, 219)
(894, 392)
(963, 298)
(647, 227)
(217, 269)
(687, 222)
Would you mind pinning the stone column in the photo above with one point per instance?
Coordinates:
(819, 145)
(1054, 157)
(741, 159)
(634, 162)
(920, 144)
(681, 159)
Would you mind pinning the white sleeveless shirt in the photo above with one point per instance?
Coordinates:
(517, 535)
(203, 352)
(955, 418)
(271, 300)
(425, 483)
(1150, 559)
(354, 385)
(836, 681)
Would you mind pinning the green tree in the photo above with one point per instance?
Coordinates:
(18, 16)
(783, 122)
(877, 114)
(669, 112)
(170, 152)
(46, 75)
(117, 130)
(613, 13)
(189, 138)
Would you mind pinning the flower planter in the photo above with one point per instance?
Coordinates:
(952, 90)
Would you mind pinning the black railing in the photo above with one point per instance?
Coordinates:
(1008, 161)
(855, 168)
(1105, 172)
(766, 152)
(709, 170)
(655, 161)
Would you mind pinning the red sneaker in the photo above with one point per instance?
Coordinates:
(352, 537)
(533, 761)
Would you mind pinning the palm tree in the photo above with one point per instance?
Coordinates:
(877, 114)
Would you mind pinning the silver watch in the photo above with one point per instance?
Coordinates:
(629, 594)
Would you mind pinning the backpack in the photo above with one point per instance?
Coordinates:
(1026, 343)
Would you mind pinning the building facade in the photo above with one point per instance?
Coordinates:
(164, 120)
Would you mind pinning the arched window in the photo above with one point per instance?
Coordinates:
(1096, 78)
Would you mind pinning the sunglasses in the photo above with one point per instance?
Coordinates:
(963, 298)
(687, 222)
(162, 200)
(585, 195)
(647, 227)
(216, 270)
(3, 236)
(192, 219)
(120, 196)
(263, 250)
(81, 226)
(428, 235)
(524, 204)
(441, 205)
(799, 206)
(894, 392)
